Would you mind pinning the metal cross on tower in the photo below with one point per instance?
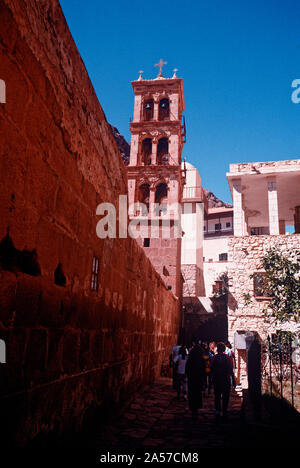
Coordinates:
(160, 64)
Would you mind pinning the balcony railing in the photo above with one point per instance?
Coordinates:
(195, 194)
(192, 192)
(218, 232)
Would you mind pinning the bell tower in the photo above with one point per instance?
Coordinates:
(155, 178)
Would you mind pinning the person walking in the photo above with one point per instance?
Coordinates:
(212, 347)
(181, 380)
(195, 371)
(230, 353)
(221, 373)
(174, 353)
(207, 359)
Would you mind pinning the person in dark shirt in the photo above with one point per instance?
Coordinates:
(195, 371)
(221, 367)
(207, 359)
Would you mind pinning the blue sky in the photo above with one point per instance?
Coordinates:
(237, 60)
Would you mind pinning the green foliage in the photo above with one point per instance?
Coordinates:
(283, 282)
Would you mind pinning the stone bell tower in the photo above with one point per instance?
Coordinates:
(155, 177)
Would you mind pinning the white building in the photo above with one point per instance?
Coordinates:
(218, 226)
(194, 204)
(266, 198)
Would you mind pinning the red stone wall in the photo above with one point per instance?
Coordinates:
(165, 255)
(68, 349)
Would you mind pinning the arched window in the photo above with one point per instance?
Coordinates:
(164, 109)
(146, 151)
(148, 109)
(144, 195)
(161, 192)
(161, 197)
(163, 151)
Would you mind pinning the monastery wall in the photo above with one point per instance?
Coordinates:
(68, 349)
(244, 257)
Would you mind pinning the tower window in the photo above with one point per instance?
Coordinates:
(223, 257)
(161, 193)
(161, 197)
(143, 197)
(163, 151)
(146, 151)
(165, 160)
(218, 227)
(164, 109)
(146, 242)
(95, 272)
(149, 109)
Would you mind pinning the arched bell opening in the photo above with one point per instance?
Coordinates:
(163, 151)
(164, 109)
(161, 198)
(147, 152)
(144, 196)
(148, 110)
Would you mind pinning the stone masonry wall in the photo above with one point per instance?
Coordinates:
(69, 349)
(193, 282)
(244, 258)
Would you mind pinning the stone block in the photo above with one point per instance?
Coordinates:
(85, 360)
(28, 296)
(11, 373)
(35, 359)
(54, 354)
(71, 347)
(96, 343)
(8, 286)
(52, 306)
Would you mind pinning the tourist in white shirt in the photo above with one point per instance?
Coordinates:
(181, 379)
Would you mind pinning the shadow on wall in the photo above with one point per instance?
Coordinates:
(232, 303)
(13, 259)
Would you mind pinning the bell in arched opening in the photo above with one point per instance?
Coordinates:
(164, 109)
(163, 151)
(148, 109)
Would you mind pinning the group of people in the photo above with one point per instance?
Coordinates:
(202, 367)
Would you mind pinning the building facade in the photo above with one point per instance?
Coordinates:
(194, 205)
(218, 227)
(266, 200)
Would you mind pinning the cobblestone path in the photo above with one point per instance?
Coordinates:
(156, 420)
